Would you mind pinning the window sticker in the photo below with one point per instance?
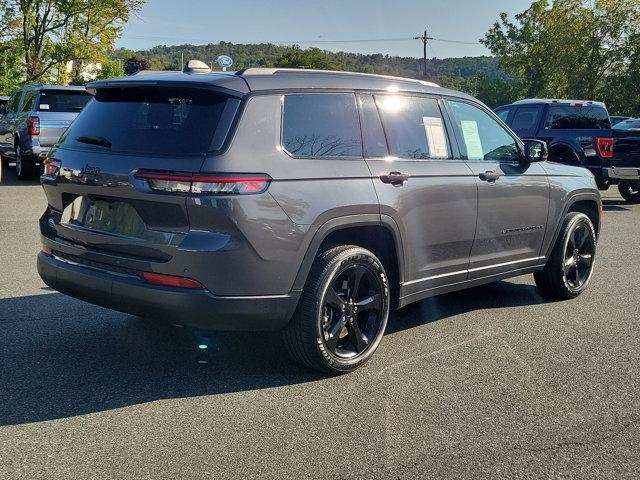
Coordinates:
(436, 137)
(472, 140)
(44, 106)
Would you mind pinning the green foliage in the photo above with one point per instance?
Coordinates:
(10, 67)
(310, 58)
(111, 69)
(573, 49)
(135, 64)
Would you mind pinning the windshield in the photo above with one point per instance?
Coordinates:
(62, 101)
(154, 121)
(631, 124)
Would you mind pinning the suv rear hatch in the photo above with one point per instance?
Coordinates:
(99, 201)
(56, 109)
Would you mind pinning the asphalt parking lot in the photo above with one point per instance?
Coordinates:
(489, 383)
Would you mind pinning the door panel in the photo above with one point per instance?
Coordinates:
(512, 217)
(431, 197)
(513, 194)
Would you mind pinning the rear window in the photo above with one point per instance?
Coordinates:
(152, 121)
(563, 117)
(62, 101)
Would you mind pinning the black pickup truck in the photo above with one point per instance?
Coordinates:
(580, 133)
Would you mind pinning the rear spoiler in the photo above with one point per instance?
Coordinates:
(228, 85)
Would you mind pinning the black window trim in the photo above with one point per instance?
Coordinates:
(326, 157)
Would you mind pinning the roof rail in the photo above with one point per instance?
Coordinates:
(273, 71)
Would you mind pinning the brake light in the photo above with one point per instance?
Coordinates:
(51, 168)
(33, 126)
(605, 147)
(205, 184)
(171, 281)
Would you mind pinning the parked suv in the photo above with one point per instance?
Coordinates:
(35, 118)
(580, 133)
(305, 201)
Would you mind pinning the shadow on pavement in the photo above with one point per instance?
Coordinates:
(616, 206)
(61, 358)
(9, 178)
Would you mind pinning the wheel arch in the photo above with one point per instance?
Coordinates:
(378, 234)
(563, 149)
(588, 203)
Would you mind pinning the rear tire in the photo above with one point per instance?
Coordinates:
(343, 312)
(630, 192)
(25, 168)
(570, 266)
(5, 162)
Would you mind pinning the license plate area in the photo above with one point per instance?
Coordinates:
(100, 215)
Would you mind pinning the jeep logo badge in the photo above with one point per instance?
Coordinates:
(89, 170)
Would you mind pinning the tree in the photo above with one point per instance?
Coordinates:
(135, 64)
(568, 48)
(53, 32)
(309, 58)
(10, 67)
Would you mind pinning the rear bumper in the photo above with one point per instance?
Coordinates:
(622, 174)
(195, 308)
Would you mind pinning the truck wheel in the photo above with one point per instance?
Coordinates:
(570, 266)
(630, 192)
(343, 312)
(5, 162)
(25, 169)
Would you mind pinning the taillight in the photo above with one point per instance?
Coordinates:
(205, 184)
(51, 168)
(605, 147)
(47, 251)
(171, 281)
(33, 126)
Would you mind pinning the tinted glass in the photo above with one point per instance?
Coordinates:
(414, 126)
(321, 125)
(375, 144)
(503, 114)
(633, 123)
(14, 102)
(27, 104)
(483, 138)
(155, 121)
(62, 101)
(525, 120)
(574, 117)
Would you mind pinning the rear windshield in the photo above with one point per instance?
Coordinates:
(577, 117)
(62, 101)
(149, 121)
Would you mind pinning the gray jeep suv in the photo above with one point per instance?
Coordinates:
(304, 201)
(35, 117)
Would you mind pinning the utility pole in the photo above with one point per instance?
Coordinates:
(424, 39)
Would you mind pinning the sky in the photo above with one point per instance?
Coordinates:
(364, 26)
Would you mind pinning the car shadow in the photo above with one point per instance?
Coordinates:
(61, 358)
(8, 177)
(616, 206)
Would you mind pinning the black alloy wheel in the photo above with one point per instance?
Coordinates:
(343, 311)
(579, 254)
(353, 311)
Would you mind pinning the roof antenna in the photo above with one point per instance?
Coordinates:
(196, 66)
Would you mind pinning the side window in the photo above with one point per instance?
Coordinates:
(482, 137)
(525, 121)
(414, 126)
(503, 114)
(375, 143)
(29, 97)
(14, 102)
(321, 125)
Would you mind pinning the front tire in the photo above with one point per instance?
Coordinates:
(630, 192)
(570, 266)
(343, 312)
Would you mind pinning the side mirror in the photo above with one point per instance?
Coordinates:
(535, 150)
